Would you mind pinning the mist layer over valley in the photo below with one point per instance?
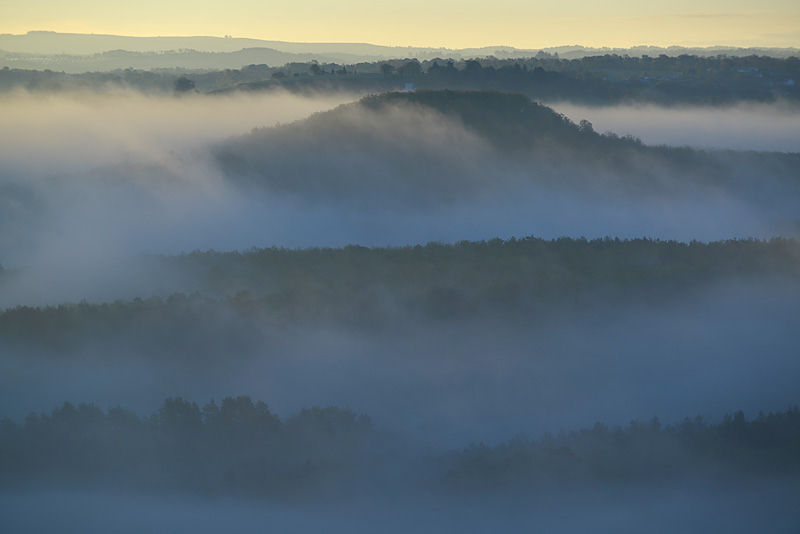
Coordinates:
(392, 276)
(772, 128)
(163, 175)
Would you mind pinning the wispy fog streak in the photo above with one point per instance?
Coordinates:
(770, 127)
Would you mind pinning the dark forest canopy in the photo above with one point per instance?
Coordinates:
(241, 293)
(604, 79)
(642, 450)
(523, 266)
(239, 445)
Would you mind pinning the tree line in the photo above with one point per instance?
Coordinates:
(642, 450)
(239, 446)
(239, 295)
(237, 443)
(603, 79)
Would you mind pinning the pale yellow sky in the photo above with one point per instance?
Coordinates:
(446, 23)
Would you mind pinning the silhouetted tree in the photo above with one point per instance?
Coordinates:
(184, 85)
(412, 68)
(387, 69)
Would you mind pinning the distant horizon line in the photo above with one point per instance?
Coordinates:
(364, 43)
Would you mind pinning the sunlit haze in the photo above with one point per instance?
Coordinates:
(444, 23)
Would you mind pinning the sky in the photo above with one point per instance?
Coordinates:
(431, 23)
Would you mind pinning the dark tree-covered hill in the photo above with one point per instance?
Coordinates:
(427, 146)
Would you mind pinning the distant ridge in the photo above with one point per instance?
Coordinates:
(53, 43)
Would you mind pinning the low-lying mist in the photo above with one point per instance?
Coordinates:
(452, 381)
(63, 132)
(689, 507)
(768, 127)
(90, 180)
(441, 346)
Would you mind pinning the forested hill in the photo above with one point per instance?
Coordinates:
(445, 144)
(237, 296)
(508, 121)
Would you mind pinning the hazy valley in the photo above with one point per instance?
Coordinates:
(455, 300)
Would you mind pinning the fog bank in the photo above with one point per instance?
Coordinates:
(87, 181)
(454, 382)
(768, 127)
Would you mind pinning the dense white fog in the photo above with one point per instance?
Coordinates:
(83, 131)
(89, 180)
(770, 127)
